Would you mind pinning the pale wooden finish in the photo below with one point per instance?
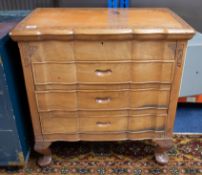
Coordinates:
(51, 51)
(51, 73)
(102, 74)
(101, 99)
(103, 124)
(56, 100)
(180, 58)
(30, 92)
(112, 86)
(99, 73)
(99, 50)
(154, 50)
(153, 72)
(110, 136)
(148, 122)
(149, 98)
(96, 23)
(59, 125)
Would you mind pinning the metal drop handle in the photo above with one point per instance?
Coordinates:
(103, 100)
(100, 72)
(103, 124)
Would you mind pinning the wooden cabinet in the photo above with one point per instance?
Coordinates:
(102, 74)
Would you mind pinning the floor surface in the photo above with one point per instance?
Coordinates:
(188, 118)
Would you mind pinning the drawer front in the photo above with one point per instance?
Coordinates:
(53, 125)
(54, 73)
(149, 122)
(99, 50)
(149, 98)
(103, 73)
(148, 111)
(50, 51)
(103, 124)
(103, 50)
(56, 100)
(103, 100)
(148, 72)
(153, 50)
(85, 100)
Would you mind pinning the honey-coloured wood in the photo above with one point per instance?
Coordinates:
(99, 50)
(102, 74)
(103, 124)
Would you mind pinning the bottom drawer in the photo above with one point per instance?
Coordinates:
(103, 124)
(52, 125)
(147, 122)
(59, 124)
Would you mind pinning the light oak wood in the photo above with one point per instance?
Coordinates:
(154, 50)
(99, 50)
(111, 86)
(149, 98)
(102, 23)
(103, 124)
(102, 74)
(157, 71)
(30, 93)
(180, 58)
(102, 99)
(104, 113)
(51, 73)
(105, 137)
(51, 51)
(56, 100)
(59, 124)
(147, 122)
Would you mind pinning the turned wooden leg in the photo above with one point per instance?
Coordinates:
(163, 145)
(43, 148)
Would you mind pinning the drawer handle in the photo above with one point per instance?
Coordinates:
(101, 73)
(103, 100)
(103, 124)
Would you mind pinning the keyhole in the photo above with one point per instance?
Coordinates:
(197, 72)
(102, 43)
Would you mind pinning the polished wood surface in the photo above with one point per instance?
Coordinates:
(102, 74)
(94, 23)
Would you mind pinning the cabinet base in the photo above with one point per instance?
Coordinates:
(44, 149)
(161, 156)
(162, 147)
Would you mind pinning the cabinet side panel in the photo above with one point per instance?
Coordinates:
(27, 71)
(179, 63)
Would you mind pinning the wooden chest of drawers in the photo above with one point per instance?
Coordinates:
(102, 75)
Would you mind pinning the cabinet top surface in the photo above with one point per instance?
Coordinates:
(100, 21)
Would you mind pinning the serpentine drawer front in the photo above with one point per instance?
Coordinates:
(109, 77)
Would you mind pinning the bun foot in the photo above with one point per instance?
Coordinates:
(161, 150)
(162, 158)
(43, 148)
(44, 161)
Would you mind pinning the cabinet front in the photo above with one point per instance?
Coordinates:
(140, 72)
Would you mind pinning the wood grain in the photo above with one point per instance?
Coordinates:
(97, 23)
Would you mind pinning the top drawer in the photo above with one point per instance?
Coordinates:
(99, 50)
